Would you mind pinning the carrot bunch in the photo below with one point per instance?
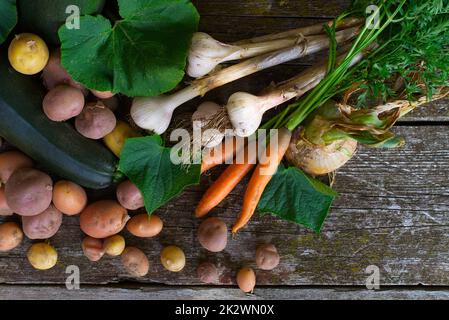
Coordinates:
(235, 172)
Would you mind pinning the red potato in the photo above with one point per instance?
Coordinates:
(103, 219)
(207, 272)
(96, 121)
(10, 236)
(63, 103)
(5, 210)
(267, 257)
(135, 262)
(29, 192)
(54, 74)
(145, 226)
(44, 225)
(129, 196)
(213, 234)
(11, 161)
(246, 279)
(102, 94)
(69, 198)
(93, 248)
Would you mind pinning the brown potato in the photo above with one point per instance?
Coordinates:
(246, 279)
(63, 103)
(103, 219)
(129, 196)
(96, 121)
(93, 248)
(207, 272)
(54, 74)
(69, 198)
(10, 236)
(213, 234)
(29, 192)
(44, 225)
(135, 262)
(144, 226)
(11, 161)
(267, 257)
(102, 94)
(5, 210)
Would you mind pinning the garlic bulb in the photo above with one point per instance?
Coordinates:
(201, 118)
(319, 160)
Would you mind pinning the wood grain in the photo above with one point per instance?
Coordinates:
(391, 213)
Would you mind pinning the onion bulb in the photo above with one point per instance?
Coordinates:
(319, 160)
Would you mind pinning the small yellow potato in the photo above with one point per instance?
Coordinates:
(135, 262)
(93, 248)
(28, 53)
(173, 258)
(11, 161)
(10, 236)
(145, 226)
(114, 245)
(42, 256)
(116, 139)
(69, 198)
(246, 279)
(5, 210)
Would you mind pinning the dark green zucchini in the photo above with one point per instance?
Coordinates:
(56, 146)
(44, 17)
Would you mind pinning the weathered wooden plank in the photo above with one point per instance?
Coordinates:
(392, 213)
(271, 8)
(8, 292)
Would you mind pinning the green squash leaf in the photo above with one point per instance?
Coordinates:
(143, 54)
(294, 196)
(146, 162)
(8, 18)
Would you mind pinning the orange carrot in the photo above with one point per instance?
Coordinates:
(227, 181)
(213, 157)
(260, 179)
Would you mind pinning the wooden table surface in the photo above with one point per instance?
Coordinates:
(393, 209)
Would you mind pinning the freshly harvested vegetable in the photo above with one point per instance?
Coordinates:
(173, 258)
(102, 94)
(135, 262)
(205, 113)
(10, 236)
(114, 245)
(207, 272)
(44, 225)
(155, 113)
(103, 219)
(129, 196)
(221, 154)
(69, 198)
(206, 53)
(96, 121)
(28, 53)
(112, 50)
(261, 177)
(29, 191)
(8, 19)
(267, 257)
(5, 210)
(11, 161)
(213, 234)
(145, 226)
(147, 163)
(74, 158)
(246, 279)
(93, 248)
(54, 74)
(227, 181)
(63, 103)
(42, 256)
(116, 139)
